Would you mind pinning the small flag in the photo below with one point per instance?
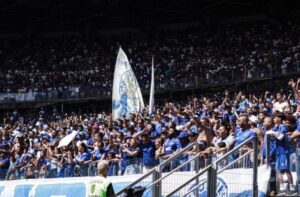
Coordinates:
(67, 139)
(151, 99)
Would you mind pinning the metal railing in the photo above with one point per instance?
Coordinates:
(240, 159)
(214, 169)
(156, 172)
(159, 182)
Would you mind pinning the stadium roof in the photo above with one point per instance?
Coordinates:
(68, 15)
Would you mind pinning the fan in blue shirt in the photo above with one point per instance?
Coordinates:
(172, 144)
(4, 165)
(242, 132)
(282, 150)
(148, 150)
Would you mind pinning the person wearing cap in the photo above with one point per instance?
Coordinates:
(102, 187)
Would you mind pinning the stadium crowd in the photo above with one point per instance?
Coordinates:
(29, 142)
(182, 59)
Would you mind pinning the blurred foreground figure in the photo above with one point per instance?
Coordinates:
(101, 187)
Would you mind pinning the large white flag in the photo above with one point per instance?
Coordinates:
(126, 94)
(151, 99)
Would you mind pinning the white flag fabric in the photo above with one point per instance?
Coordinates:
(151, 99)
(67, 139)
(126, 94)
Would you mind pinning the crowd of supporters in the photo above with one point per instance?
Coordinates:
(29, 142)
(182, 59)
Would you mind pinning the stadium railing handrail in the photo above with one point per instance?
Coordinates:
(156, 171)
(212, 170)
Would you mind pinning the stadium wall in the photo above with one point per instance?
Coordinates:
(232, 182)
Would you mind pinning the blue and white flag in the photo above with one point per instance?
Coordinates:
(151, 99)
(126, 94)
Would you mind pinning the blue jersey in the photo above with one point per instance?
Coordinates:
(127, 157)
(4, 168)
(243, 105)
(90, 141)
(158, 128)
(272, 145)
(240, 136)
(21, 159)
(5, 161)
(298, 130)
(148, 151)
(98, 154)
(230, 117)
(171, 145)
(282, 146)
(41, 162)
(83, 156)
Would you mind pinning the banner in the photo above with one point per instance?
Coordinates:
(151, 99)
(126, 94)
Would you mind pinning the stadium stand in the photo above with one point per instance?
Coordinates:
(75, 67)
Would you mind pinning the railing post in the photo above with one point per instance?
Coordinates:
(157, 187)
(197, 168)
(268, 149)
(212, 180)
(155, 190)
(255, 161)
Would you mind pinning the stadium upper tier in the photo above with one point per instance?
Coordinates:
(182, 59)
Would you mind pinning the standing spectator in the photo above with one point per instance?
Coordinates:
(148, 151)
(82, 159)
(131, 152)
(170, 147)
(282, 152)
(296, 136)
